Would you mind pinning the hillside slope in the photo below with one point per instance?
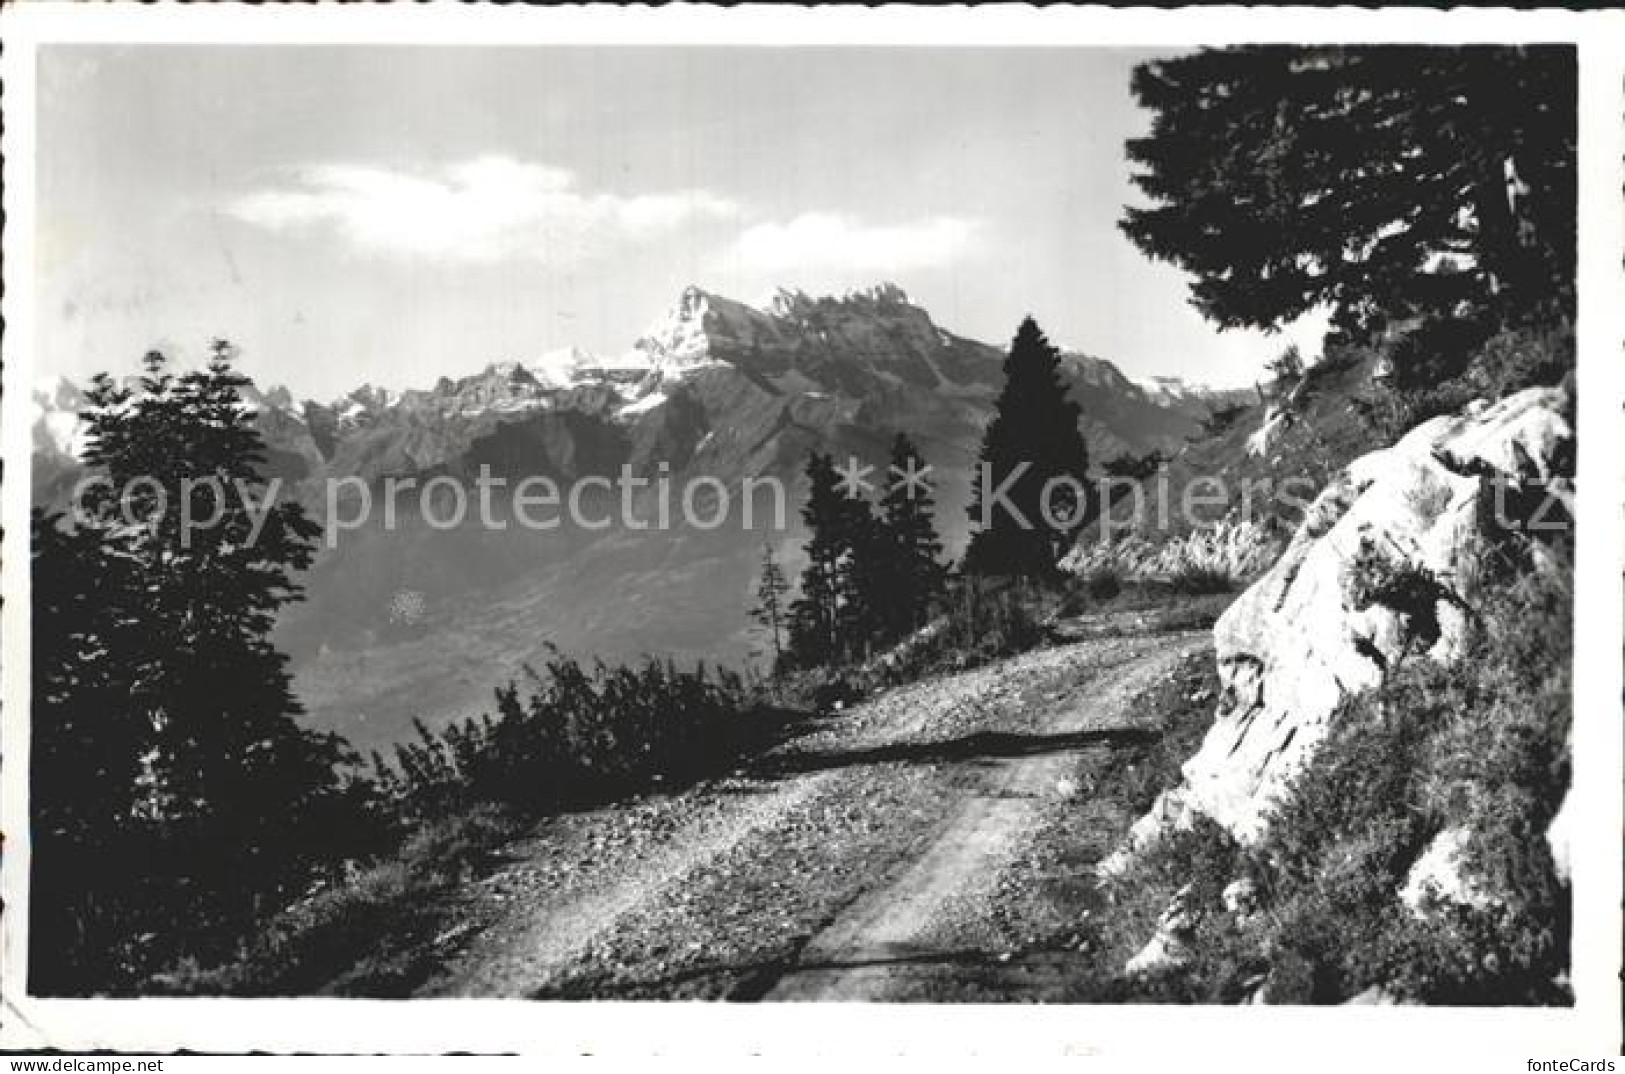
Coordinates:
(1395, 771)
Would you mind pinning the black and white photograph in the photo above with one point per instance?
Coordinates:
(837, 523)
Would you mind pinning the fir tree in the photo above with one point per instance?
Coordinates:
(914, 575)
(832, 619)
(815, 614)
(1031, 493)
(158, 669)
(867, 582)
(769, 610)
(225, 743)
(1390, 184)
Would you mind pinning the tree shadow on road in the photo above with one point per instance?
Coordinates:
(983, 746)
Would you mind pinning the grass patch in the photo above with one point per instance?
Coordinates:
(1115, 919)
(1208, 559)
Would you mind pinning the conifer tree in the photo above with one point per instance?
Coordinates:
(769, 610)
(914, 575)
(815, 614)
(1393, 185)
(868, 584)
(1030, 492)
(157, 663)
(834, 618)
(226, 746)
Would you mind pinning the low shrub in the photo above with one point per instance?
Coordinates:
(982, 619)
(1087, 592)
(1376, 577)
(1497, 366)
(1196, 580)
(1186, 716)
(1103, 585)
(1222, 418)
(582, 735)
(1511, 361)
(1236, 548)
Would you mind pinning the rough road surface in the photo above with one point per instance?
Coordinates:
(903, 850)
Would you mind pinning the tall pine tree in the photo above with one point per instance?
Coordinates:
(815, 613)
(1033, 456)
(868, 582)
(770, 611)
(837, 614)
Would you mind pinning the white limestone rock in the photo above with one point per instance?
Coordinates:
(1298, 642)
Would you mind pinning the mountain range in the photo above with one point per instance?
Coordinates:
(420, 621)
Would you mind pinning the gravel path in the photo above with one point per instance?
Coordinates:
(887, 854)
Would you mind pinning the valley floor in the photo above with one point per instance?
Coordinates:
(935, 843)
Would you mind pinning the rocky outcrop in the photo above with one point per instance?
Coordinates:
(1380, 570)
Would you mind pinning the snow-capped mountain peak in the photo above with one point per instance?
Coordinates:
(683, 336)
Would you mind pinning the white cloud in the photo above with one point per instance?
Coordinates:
(838, 242)
(486, 209)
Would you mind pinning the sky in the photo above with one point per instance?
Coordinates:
(388, 215)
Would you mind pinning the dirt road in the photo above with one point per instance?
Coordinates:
(917, 847)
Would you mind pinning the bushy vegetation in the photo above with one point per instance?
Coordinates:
(976, 621)
(981, 620)
(1502, 363)
(582, 735)
(1222, 418)
(1378, 577)
(1479, 746)
(1212, 558)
